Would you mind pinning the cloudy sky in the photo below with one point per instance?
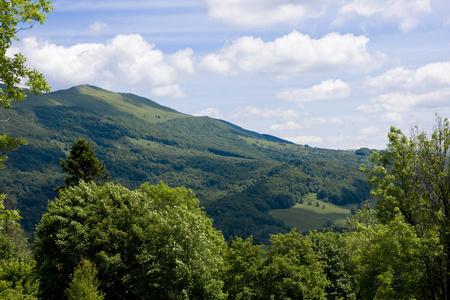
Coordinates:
(327, 73)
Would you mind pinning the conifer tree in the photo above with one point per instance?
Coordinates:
(84, 284)
(83, 165)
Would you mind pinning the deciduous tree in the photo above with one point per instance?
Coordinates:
(333, 251)
(13, 15)
(390, 259)
(17, 277)
(243, 262)
(151, 243)
(292, 270)
(411, 179)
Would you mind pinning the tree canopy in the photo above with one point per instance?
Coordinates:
(13, 71)
(151, 243)
(18, 279)
(83, 165)
(411, 180)
(84, 284)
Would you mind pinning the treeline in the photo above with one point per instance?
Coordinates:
(246, 212)
(228, 168)
(155, 242)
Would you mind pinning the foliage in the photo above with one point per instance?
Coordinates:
(243, 262)
(8, 217)
(292, 270)
(12, 69)
(410, 180)
(305, 216)
(390, 259)
(8, 144)
(363, 151)
(151, 243)
(84, 284)
(17, 277)
(334, 253)
(83, 165)
(247, 175)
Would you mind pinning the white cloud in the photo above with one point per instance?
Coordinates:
(210, 112)
(113, 5)
(369, 108)
(369, 130)
(392, 117)
(398, 102)
(294, 53)
(125, 59)
(216, 64)
(402, 102)
(325, 121)
(97, 27)
(406, 12)
(287, 126)
(399, 89)
(252, 111)
(183, 60)
(329, 89)
(172, 91)
(430, 76)
(306, 139)
(307, 123)
(252, 13)
(265, 13)
(339, 139)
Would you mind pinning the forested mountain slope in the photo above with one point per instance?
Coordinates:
(238, 175)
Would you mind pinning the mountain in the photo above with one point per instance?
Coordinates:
(238, 175)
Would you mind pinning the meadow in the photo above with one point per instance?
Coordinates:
(313, 214)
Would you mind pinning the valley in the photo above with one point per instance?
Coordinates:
(239, 176)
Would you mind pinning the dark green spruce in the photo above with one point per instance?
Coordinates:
(82, 165)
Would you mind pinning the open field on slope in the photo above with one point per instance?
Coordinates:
(312, 216)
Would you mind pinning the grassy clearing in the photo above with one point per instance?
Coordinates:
(148, 110)
(312, 216)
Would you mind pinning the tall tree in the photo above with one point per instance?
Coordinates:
(243, 261)
(412, 178)
(390, 259)
(333, 252)
(151, 243)
(17, 278)
(292, 270)
(16, 15)
(83, 165)
(84, 284)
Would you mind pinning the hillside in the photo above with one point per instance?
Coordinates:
(238, 175)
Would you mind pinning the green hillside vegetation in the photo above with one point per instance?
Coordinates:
(103, 240)
(312, 213)
(238, 175)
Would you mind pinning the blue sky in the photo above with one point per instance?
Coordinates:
(327, 73)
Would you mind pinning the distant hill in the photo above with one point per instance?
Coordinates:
(238, 175)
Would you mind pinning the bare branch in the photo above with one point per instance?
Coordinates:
(9, 163)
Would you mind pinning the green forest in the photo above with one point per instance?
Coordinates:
(113, 196)
(100, 240)
(239, 176)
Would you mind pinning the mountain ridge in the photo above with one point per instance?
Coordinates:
(238, 175)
